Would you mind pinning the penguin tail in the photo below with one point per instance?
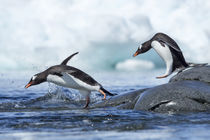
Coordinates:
(107, 92)
(196, 65)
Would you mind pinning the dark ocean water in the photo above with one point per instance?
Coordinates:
(49, 112)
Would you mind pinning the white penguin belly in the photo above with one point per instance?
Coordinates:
(71, 82)
(165, 53)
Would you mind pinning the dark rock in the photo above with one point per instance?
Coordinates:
(123, 101)
(197, 74)
(176, 96)
(187, 91)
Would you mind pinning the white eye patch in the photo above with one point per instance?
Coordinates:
(140, 47)
(34, 77)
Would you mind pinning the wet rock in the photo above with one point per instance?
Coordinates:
(124, 101)
(197, 74)
(176, 96)
(187, 91)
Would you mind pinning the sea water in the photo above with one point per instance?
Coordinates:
(49, 112)
(35, 34)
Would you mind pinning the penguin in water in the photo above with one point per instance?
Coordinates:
(169, 51)
(70, 77)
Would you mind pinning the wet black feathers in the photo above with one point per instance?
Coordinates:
(163, 38)
(81, 75)
(68, 58)
(178, 58)
(107, 92)
(60, 69)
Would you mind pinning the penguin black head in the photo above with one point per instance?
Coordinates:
(143, 48)
(37, 79)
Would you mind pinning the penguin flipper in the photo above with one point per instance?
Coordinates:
(68, 58)
(173, 46)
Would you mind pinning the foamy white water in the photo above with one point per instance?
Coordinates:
(39, 33)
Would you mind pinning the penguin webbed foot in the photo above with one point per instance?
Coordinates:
(85, 107)
(104, 99)
(164, 76)
(87, 102)
(103, 94)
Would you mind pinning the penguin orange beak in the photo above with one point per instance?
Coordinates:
(28, 85)
(136, 53)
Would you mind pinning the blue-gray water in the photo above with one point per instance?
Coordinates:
(49, 113)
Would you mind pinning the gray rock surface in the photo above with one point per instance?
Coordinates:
(197, 74)
(176, 96)
(123, 101)
(187, 91)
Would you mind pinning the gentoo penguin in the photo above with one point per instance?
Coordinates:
(70, 77)
(169, 51)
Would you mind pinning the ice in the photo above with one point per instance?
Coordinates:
(133, 65)
(38, 34)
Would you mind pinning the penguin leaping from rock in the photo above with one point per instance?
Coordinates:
(169, 51)
(70, 77)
